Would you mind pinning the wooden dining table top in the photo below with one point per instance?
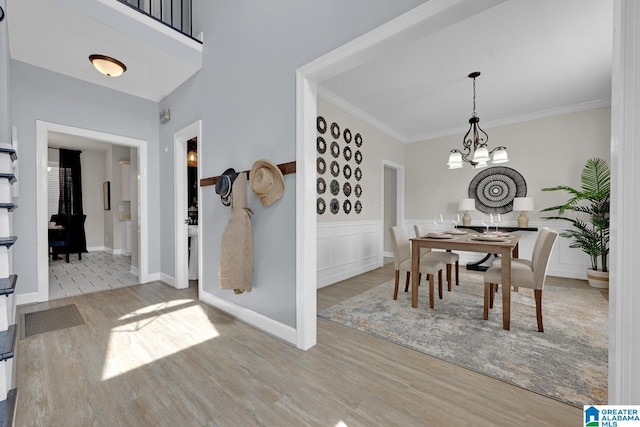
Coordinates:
(506, 246)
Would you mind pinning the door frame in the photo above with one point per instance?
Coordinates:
(399, 169)
(181, 204)
(42, 136)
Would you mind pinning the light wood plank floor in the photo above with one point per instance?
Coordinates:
(151, 355)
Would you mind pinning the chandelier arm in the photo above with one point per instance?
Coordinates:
(496, 149)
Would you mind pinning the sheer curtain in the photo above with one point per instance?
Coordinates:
(70, 202)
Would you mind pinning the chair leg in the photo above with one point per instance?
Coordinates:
(487, 292)
(431, 290)
(492, 293)
(440, 283)
(449, 277)
(538, 295)
(457, 272)
(419, 278)
(395, 290)
(406, 285)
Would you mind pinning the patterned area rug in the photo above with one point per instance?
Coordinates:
(52, 319)
(567, 362)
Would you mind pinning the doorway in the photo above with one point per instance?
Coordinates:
(187, 193)
(43, 129)
(392, 202)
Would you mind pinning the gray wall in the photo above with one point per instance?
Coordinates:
(245, 96)
(38, 94)
(5, 116)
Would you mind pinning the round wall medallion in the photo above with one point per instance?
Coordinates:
(321, 144)
(495, 188)
(358, 191)
(358, 174)
(358, 207)
(335, 149)
(346, 152)
(334, 187)
(321, 205)
(347, 135)
(321, 124)
(335, 168)
(346, 189)
(358, 157)
(358, 140)
(346, 206)
(321, 165)
(334, 206)
(347, 171)
(321, 186)
(335, 130)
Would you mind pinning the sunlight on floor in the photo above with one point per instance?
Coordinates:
(153, 333)
(341, 424)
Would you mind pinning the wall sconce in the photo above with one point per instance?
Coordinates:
(108, 66)
(192, 158)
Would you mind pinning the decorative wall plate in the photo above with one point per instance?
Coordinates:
(346, 189)
(346, 206)
(321, 165)
(495, 188)
(321, 144)
(321, 206)
(347, 135)
(321, 186)
(335, 168)
(346, 152)
(358, 174)
(358, 157)
(321, 124)
(334, 187)
(358, 191)
(358, 207)
(334, 206)
(347, 171)
(335, 130)
(358, 140)
(335, 149)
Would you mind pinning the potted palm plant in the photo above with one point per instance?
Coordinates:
(590, 231)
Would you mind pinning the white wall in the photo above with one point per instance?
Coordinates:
(5, 110)
(38, 94)
(546, 152)
(245, 96)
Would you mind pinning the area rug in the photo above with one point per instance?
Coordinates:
(567, 362)
(51, 319)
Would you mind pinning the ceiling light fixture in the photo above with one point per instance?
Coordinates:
(192, 158)
(476, 140)
(108, 66)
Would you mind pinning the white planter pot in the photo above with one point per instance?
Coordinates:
(598, 279)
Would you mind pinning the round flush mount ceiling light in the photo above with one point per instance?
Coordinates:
(108, 66)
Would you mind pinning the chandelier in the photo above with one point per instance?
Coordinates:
(475, 141)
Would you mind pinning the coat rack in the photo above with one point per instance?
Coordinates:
(286, 168)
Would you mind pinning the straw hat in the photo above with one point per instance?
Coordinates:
(267, 181)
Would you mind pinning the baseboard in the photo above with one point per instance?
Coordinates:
(96, 249)
(342, 274)
(29, 298)
(134, 270)
(258, 321)
(169, 280)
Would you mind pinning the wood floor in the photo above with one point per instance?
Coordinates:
(151, 355)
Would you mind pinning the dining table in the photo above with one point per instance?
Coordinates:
(506, 245)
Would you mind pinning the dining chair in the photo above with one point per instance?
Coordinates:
(448, 258)
(524, 273)
(402, 262)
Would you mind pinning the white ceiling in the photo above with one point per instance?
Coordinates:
(537, 58)
(59, 35)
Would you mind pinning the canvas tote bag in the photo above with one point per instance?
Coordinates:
(236, 251)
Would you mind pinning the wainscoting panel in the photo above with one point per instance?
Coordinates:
(346, 249)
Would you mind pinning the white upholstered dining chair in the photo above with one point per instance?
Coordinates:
(448, 258)
(402, 262)
(524, 273)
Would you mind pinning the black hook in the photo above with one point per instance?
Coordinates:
(1, 14)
